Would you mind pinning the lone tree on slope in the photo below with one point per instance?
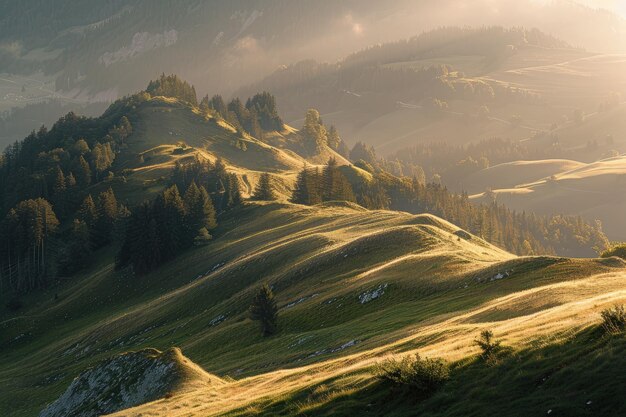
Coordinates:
(264, 190)
(264, 310)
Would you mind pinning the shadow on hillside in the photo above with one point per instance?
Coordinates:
(582, 376)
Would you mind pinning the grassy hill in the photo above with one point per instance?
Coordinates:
(352, 286)
(167, 130)
(595, 190)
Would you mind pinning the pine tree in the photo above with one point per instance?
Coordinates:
(83, 172)
(200, 213)
(264, 190)
(88, 212)
(107, 216)
(307, 189)
(335, 185)
(70, 181)
(232, 193)
(264, 310)
(314, 132)
(170, 213)
(59, 191)
(333, 138)
(301, 193)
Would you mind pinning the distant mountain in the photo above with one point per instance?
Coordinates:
(103, 50)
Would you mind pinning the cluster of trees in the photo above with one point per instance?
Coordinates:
(490, 41)
(259, 114)
(223, 186)
(172, 86)
(25, 233)
(46, 227)
(313, 186)
(97, 223)
(58, 164)
(159, 231)
(316, 135)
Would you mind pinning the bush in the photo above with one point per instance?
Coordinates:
(614, 319)
(421, 377)
(491, 348)
(618, 249)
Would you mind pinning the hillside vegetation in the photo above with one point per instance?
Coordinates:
(347, 282)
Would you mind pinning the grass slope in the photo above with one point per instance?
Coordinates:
(435, 290)
(595, 190)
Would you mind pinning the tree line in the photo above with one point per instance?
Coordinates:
(518, 232)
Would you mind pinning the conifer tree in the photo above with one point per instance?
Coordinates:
(264, 310)
(88, 212)
(314, 132)
(307, 189)
(232, 193)
(335, 185)
(170, 214)
(264, 190)
(200, 213)
(107, 216)
(83, 172)
(70, 181)
(59, 191)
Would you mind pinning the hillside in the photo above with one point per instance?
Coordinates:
(511, 174)
(595, 190)
(167, 130)
(400, 282)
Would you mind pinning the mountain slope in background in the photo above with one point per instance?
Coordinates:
(101, 51)
(461, 85)
(596, 190)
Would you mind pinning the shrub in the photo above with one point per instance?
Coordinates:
(421, 377)
(614, 319)
(491, 348)
(618, 249)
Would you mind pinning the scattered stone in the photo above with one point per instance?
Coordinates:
(334, 350)
(368, 296)
(501, 275)
(217, 320)
(300, 300)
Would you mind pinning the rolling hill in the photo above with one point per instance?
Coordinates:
(352, 286)
(595, 190)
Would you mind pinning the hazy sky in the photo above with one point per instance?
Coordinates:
(618, 6)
